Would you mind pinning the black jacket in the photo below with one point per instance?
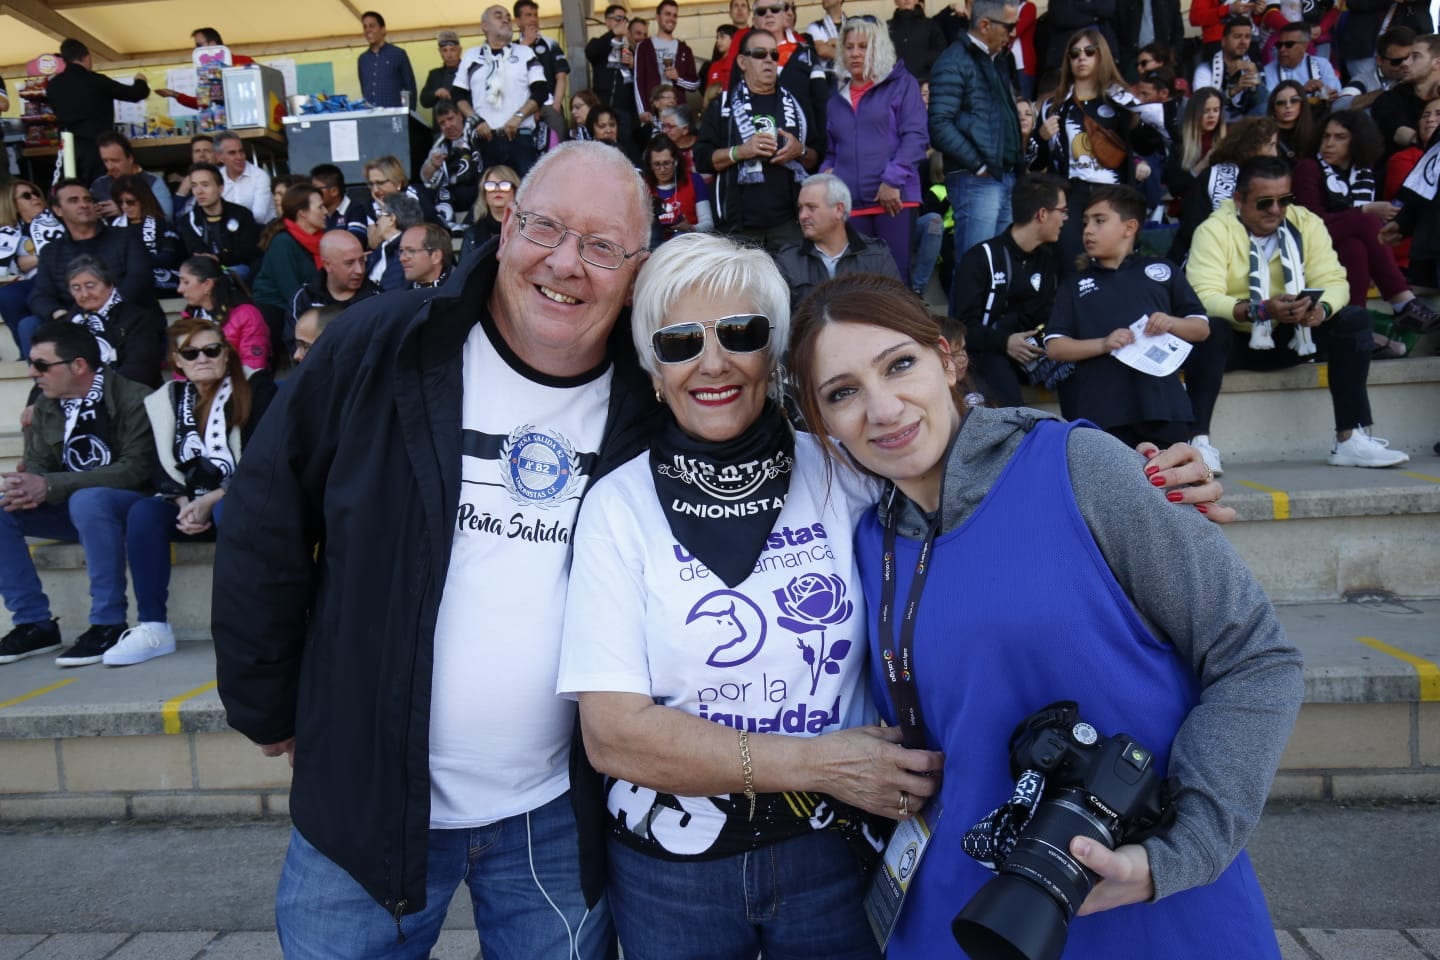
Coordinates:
(83, 100)
(137, 332)
(804, 270)
(608, 82)
(918, 40)
(316, 293)
(123, 251)
(235, 241)
(332, 560)
(1362, 24)
(1169, 27)
(1004, 290)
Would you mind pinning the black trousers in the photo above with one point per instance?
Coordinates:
(1345, 340)
(996, 376)
(1204, 372)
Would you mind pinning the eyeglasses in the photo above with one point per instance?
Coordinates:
(27, 195)
(1077, 52)
(657, 162)
(1289, 102)
(211, 350)
(377, 183)
(615, 18)
(1009, 25)
(766, 11)
(504, 186)
(1287, 44)
(413, 251)
(596, 251)
(1266, 204)
(42, 366)
(762, 55)
(1396, 61)
(684, 342)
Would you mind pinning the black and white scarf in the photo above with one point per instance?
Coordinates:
(722, 499)
(742, 115)
(1220, 185)
(205, 460)
(98, 324)
(1293, 269)
(1352, 188)
(89, 438)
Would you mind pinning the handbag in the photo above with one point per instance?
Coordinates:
(1106, 145)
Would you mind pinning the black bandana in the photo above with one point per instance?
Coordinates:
(722, 499)
(205, 460)
(89, 440)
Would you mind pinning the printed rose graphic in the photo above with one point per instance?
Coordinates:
(813, 602)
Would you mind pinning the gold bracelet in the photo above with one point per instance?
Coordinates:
(748, 770)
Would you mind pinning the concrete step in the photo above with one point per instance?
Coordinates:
(67, 585)
(151, 741)
(12, 449)
(1287, 415)
(15, 384)
(1310, 531)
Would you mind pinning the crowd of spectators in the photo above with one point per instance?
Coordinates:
(1279, 166)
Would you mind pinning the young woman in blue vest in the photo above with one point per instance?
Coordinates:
(1055, 571)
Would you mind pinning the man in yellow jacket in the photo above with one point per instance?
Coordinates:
(1259, 262)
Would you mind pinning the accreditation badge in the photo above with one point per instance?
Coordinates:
(897, 870)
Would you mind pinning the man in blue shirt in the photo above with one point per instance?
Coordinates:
(385, 71)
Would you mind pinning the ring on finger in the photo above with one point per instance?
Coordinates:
(904, 804)
(1209, 475)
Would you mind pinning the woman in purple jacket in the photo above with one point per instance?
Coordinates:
(877, 136)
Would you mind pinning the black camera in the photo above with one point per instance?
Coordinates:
(1104, 788)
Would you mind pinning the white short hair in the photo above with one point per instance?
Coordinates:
(718, 267)
(600, 154)
(879, 48)
(836, 192)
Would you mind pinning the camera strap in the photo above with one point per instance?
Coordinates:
(900, 677)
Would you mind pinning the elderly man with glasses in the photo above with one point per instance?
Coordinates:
(410, 501)
(1291, 62)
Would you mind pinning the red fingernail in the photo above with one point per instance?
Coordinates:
(1202, 508)
(1174, 496)
(1151, 470)
(1157, 481)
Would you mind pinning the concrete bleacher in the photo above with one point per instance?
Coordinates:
(1352, 558)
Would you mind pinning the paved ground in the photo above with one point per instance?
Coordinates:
(1343, 883)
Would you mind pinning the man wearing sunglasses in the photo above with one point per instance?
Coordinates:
(759, 141)
(1291, 62)
(1250, 263)
(1397, 110)
(801, 71)
(88, 446)
(973, 123)
(409, 501)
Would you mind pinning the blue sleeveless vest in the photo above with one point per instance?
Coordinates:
(1021, 610)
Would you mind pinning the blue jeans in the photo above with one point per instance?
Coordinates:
(15, 305)
(95, 517)
(23, 331)
(929, 235)
(981, 208)
(795, 900)
(149, 531)
(524, 878)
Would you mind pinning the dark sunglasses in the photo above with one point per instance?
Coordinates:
(1076, 52)
(1265, 204)
(1396, 61)
(1009, 25)
(766, 11)
(684, 342)
(1289, 102)
(763, 55)
(27, 195)
(1287, 44)
(211, 350)
(42, 366)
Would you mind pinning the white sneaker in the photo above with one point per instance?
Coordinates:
(1208, 453)
(144, 641)
(1260, 338)
(1363, 450)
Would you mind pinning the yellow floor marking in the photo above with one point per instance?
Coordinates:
(36, 693)
(1279, 499)
(1419, 476)
(1322, 375)
(1429, 672)
(171, 710)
